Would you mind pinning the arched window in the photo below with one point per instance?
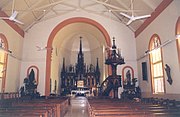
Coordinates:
(156, 63)
(3, 61)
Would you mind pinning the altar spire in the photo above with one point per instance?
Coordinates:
(80, 48)
(63, 67)
(80, 61)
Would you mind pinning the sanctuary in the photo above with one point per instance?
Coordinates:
(80, 75)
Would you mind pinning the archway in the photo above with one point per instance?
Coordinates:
(53, 34)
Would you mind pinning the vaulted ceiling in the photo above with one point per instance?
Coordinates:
(31, 12)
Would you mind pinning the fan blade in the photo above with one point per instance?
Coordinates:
(18, 21)
(142, 17)
(125, 15)
(4, 18)
(13, 16)
(130, 21)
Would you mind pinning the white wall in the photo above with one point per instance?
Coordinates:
(15, 42)
(39, 33)
(164, 25)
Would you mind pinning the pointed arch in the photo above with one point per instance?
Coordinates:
(156, 65)
(53, 34)
(3, 61)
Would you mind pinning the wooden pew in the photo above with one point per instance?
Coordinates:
(111, 108)
(56, 107)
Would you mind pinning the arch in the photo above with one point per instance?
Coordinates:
(37, 72)
(123, 72)
(156, 65)
(4, 39)
(151, 39)
(177, 32)
(53, 34)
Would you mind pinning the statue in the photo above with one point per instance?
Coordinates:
(30, 86)
(128, 76)
(31, 76)
(91, 68)
(168, 73)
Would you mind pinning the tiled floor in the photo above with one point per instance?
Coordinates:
(78, 107)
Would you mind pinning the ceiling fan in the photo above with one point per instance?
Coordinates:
(132, 17)
(13, 18)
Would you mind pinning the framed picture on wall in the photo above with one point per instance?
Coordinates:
(144, 71)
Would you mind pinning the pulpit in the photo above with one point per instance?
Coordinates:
(113, 81)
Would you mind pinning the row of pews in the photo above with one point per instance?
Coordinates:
(147, 107)
(9, 95)
(42, 107)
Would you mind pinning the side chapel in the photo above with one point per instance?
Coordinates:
(79, 75)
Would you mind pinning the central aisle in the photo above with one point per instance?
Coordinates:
(78, 107)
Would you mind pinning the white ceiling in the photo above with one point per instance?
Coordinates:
(69, 36)
(33, 11)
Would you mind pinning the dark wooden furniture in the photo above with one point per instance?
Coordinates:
(71, 75)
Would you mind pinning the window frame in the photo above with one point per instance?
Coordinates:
(4, 63)
(160, 61)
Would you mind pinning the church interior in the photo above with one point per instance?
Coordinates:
(89, 58)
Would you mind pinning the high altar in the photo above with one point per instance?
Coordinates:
(79, 75)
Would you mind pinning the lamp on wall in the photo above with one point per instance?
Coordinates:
(43, 48)
(3, 49)
(9, 52)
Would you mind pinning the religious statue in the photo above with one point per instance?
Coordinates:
(91, 68)
(168, 73)
(30, 86)
(128, 77)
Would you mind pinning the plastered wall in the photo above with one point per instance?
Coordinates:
(164, 25)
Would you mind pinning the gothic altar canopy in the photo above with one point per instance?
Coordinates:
(79, 75)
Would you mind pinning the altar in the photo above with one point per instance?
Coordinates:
(83, 91)
(79, 75)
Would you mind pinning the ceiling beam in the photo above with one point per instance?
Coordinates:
(37, 20)
(89, 5)
(68, 5)
(108, 5)
(48, 5)
(13, 5)
(34, 5)
(29, 8)
(154, 15)
(101, 14)
(4, 3)
(122, 3)
(149, 3)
